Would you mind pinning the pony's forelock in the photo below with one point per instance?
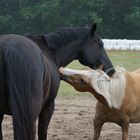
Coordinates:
(112, 89)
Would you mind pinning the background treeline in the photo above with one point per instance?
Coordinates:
(115, 18)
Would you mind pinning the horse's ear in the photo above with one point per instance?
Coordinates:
(93, 29)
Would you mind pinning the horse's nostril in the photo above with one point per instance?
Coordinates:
(113, 71)
(110, 72)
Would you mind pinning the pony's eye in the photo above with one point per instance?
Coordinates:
(82, 81)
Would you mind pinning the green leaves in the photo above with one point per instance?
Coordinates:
(134, 17)
(116, 19)
(7, 24)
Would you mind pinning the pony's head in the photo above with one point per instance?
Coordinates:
(99, 83)
(79, 79)
(93, 53)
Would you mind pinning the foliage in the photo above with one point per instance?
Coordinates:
(7, 24)
(115, 18)
(133, 18)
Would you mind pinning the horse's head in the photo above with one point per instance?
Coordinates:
(79, 79)
(93, 53)
(79, 43)
(108, 90)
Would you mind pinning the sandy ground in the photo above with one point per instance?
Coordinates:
(73, 120)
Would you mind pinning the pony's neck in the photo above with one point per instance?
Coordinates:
(64, 55)
(112, 89)
(99, 97)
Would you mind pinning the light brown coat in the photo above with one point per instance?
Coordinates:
(128, 112)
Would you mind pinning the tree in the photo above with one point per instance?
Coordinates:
(115, 18)
(132, 21)
(7, 24)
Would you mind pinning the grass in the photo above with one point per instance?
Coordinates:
(128, 59)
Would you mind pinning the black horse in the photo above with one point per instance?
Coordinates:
(30, 76)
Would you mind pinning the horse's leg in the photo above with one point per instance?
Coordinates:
(98, 123)
(44, 119)
(1, 119)
(125, 128)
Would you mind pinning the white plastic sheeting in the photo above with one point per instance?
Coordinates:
(121, 44)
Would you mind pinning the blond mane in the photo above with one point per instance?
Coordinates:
(112, 89)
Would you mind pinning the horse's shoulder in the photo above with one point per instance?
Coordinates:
(136, 74)
(136, 71)
(133, 77)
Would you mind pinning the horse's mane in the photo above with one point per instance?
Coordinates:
(65, 35)
(112, 89)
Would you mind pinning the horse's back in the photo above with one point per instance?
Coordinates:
(20, 44)
(42, 68)
(136, 71)
(135, 75)
(25, 58)
(14, 40)
(21, 48)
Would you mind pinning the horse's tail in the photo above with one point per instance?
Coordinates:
(19, 92)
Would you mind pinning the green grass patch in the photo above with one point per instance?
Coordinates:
(127, 59)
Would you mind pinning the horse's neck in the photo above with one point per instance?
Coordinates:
(99, 97)
(66, 54)
(110, 89)
(63, 55)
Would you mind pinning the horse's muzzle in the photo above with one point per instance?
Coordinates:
(110, 72)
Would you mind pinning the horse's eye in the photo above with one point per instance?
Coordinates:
(82, 81)
(101, 44)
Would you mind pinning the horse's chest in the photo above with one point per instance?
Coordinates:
(135, 116)
(51, 82)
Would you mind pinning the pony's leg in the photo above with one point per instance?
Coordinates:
(98, 123)
(1, 119)
(125, 132)
(125, 128)
(44, 119)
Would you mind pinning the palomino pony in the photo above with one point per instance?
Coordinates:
(118, 97)
(30, 76)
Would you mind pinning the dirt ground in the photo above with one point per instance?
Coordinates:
(73, 120)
